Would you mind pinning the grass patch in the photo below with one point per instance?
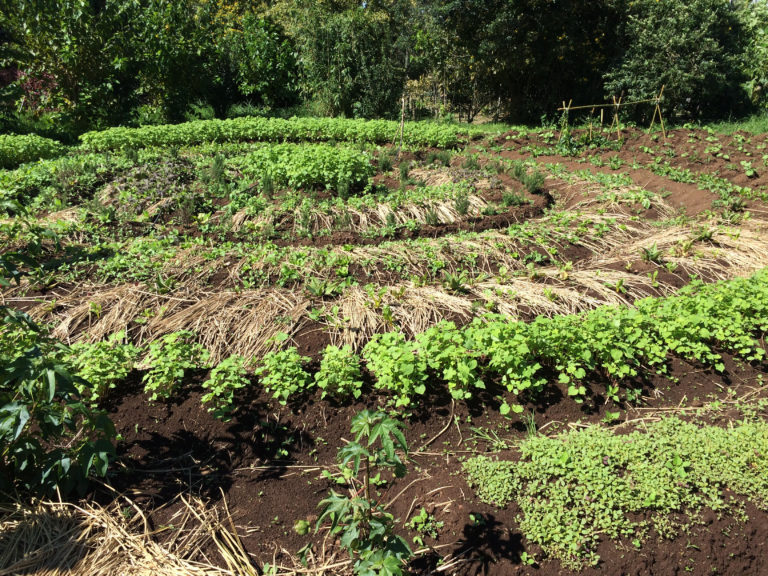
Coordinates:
(756, 124)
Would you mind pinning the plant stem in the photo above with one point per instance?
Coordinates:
(368, 479)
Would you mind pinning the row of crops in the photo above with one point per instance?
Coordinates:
(18, 149)
(615, 342)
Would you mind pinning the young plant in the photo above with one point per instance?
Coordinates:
(652, 254)
(364, 528)
(282, 374)
(425, 524)
(169, 358)
(50, 440)
(397, 368)
(102, 365)
(339, 375)
(534, 182)
(228, 376)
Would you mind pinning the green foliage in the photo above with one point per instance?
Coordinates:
(283, 375)
(227, 377)
(446, 351)
(309, 165)
(262, 61)
(493, 481)
(169, 358)
(350, 59)
(533, 182)
(426, 525)
(339, 375)
(102, 365)
(50, 440)
(613, 341)
(271, 130)
(396, 366)
(693, 48)
(754, 15)
(15, 150)
(580, 486)
(364, 528)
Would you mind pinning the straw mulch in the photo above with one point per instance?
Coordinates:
(57, 538)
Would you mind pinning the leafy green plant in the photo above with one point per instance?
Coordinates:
(225, 379)
(582, 486)
(444, 349)
(362, 524)
(339, 375)
(283, 375)
(18, 149)
(652, 254)
(168, 359)
(426, 525)
(271, 130)
(456, 282)
(308, 165)
(396, 366)
(102, 365)
(49, 439)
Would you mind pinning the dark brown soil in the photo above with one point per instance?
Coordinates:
(266, 463)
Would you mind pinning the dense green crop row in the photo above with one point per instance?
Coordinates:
(15, 150)
(272, 130)
(616, 342)
(308, 165)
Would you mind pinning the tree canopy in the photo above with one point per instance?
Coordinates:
(73, 65)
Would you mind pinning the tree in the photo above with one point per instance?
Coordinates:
(350, 59)
(691, 46)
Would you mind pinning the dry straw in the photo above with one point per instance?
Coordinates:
(58, 538)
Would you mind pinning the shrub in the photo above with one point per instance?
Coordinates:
(692, 47)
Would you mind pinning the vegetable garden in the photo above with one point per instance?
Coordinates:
(449, 350)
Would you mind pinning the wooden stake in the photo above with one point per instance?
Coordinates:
(402, 126)
(616, 104)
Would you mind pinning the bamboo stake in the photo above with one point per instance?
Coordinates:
(657, 110)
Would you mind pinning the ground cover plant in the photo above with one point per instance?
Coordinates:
(561, 339)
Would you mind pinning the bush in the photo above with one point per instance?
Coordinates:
(15, 150)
